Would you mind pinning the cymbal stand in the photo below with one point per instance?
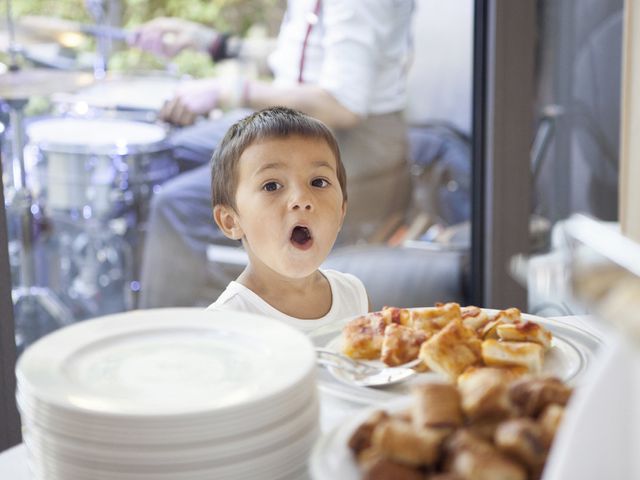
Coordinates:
(36, 309)
(14, 48)
(98, 9)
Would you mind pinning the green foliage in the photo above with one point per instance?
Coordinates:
(225, 15)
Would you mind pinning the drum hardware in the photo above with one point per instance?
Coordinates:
(96, 268)
(96, 177)
(103, 12)
(36, 309)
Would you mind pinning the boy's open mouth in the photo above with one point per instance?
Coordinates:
(301, 237)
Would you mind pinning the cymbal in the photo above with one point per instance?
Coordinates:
(68, 32)
(24, 84)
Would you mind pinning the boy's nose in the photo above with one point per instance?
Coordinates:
(301, 205)
(301, 200)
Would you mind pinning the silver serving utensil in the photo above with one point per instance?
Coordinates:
(361, 374)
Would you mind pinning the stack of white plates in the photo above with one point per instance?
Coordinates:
(169, 394)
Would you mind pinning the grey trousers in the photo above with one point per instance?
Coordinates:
(175, 270)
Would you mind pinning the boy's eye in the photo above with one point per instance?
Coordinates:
(271, 186)
(319, 182)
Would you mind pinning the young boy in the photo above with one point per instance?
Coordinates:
(279, 186)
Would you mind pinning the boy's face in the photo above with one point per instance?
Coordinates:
(289, 205)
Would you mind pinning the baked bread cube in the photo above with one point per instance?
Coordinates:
(532, 395)
(524, 354)
(522, 439)
(400, 316)
(503, 317)
(474, 317)
(525, 332)
(401, 344)
(451, 350)
(362, 337)
(484, 393)
(436, 405)
(434, 318)
(402, 443)
(471, 457)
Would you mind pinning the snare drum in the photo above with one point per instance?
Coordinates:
(98, 167)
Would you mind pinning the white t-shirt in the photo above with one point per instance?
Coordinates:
(349, 299)
(364, 44)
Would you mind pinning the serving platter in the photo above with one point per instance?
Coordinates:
(571, 353)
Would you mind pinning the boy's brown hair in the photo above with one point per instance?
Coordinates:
(274, 122)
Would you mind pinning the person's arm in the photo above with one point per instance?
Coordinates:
(168, 36)
(310, 99)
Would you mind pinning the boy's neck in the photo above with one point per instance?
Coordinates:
(305, 298)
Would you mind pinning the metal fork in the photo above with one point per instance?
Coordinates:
(362, 374)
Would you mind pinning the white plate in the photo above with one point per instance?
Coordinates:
(218, 452)
(571, 354)
(159, 432)
(167, 362)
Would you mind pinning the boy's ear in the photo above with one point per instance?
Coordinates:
(344, 212)
(227, 221)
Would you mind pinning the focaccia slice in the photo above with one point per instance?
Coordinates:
(401, 344)
(451, 350)
(525, 332)
(362, 337)
(525, 354)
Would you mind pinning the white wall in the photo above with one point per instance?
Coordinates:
(440, 79)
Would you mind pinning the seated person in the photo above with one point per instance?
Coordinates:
(280, 188)
(342, 62)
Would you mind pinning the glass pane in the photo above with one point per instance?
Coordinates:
(576, 147)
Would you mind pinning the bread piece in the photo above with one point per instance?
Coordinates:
(532, 395)
(400, 442)
(400, 344)
(474, 317)
(473, 458)
(362, 337)
(525, 332)
(490, 330)
(549, 421)
(510, 315)
(385, 469)
(524, 354)
(436, 405)
(395, 315)
(451, 350)
(484, 428)
(433, 319)
(522, 439)
(360, 440)
(484, 393)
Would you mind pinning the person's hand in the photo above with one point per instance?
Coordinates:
(193, 98)
(168, 36)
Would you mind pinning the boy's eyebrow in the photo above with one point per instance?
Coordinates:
(277, 165)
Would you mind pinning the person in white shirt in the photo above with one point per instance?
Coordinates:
(279, 186)
(343, 62)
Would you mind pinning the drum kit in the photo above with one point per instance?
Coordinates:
(77, 188)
